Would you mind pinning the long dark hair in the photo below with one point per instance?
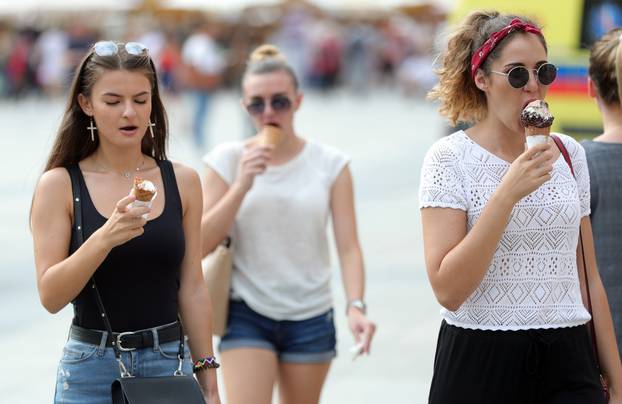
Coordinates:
(73, 141)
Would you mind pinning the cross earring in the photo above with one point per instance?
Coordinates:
(92, 128)
(151, 126)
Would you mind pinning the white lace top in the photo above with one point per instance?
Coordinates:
(532, 281)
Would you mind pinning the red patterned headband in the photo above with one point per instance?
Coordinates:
(480, 55)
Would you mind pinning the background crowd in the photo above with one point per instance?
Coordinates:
(327, 49)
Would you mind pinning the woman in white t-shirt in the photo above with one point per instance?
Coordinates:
(501, 227)
(274, 201)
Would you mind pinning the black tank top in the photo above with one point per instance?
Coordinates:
(139, 280)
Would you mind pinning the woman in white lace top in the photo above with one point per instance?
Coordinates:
(501, 226)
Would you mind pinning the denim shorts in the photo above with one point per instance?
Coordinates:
(305, 341)
(86, 371)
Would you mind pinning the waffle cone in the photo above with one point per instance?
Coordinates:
(535, 131)
(270, 135)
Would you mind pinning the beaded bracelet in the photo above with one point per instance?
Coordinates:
(205, 363)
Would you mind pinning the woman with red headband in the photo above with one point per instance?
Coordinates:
(501, 228)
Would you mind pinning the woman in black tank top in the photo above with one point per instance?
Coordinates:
(145, 261)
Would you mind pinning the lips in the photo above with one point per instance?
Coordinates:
(273, 124)
(129, 130)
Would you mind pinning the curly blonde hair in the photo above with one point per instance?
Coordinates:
(606, 66)
(460, 99)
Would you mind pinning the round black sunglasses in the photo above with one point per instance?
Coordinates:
(518, 76)
(279, 103)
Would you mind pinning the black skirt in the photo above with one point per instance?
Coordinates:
(523, 367)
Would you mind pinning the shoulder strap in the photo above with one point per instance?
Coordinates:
(566, 155)
(77, 206)
(173, 197)
(77, 219)
(564, 151)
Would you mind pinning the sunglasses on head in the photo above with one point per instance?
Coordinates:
(110, 48)
(279, 103)
(518, 76)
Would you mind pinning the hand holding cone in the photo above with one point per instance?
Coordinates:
(145, 192)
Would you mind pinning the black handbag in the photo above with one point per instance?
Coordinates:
(175, 389)
(153, 390)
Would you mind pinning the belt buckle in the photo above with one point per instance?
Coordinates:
(119, 336)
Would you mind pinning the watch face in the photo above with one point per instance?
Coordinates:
(359, 304)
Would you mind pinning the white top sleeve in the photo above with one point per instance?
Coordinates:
(441, 184)
(224, 160)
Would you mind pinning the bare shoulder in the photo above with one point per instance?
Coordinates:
(189, 184)
(185, 174)
(54, 182)
(53, 191)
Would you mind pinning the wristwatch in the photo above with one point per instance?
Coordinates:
(358, 304)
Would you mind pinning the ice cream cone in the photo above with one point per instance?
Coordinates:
(535, 131)
(143, 190)
(537, 121)
(533, 140)
(270, 135)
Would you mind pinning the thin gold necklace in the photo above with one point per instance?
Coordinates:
(126, 173)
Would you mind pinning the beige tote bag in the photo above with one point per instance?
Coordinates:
(217, 267)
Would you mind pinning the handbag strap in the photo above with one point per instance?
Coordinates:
(566, 155)
(77, 219)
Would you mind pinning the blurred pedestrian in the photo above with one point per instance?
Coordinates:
(170, 59)
(202, 69)
(274, 202)
(604, 159)
(147, 271)
(51, 47)
(18, 66)
(500, 229)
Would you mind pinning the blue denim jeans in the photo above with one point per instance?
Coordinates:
(86, 371)
(202, 100)
(306, 341)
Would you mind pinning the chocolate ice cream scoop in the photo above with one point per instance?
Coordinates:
(536, 114)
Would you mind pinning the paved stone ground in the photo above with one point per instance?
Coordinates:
(385, 134)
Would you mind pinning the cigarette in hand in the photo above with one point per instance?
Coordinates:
(356, 350)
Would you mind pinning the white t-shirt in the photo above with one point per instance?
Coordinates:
(532, 281)
(202, 52)
(281, 262)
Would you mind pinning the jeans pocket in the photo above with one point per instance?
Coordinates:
(170, 350)
(76, 352)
